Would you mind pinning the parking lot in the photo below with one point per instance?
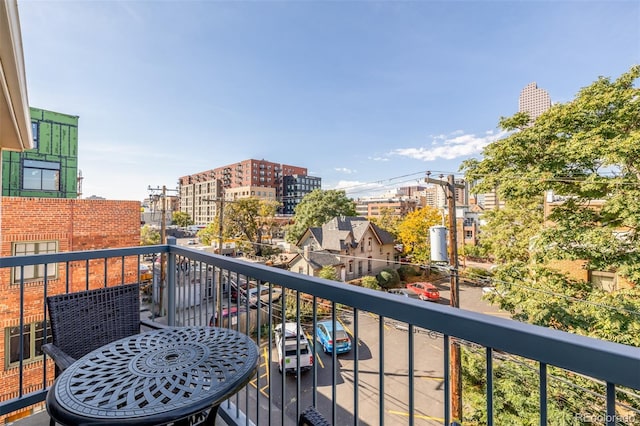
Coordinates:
(276, 393)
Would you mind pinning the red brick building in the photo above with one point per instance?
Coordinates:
(49, 225)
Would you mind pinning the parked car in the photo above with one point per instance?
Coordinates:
(229, 316)
(324, 335)
(288, 342)
(262, 296)
(425, 290)
(146, 275)
(404, 292)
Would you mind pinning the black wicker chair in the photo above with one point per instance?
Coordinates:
(87, 320)
(312, 417)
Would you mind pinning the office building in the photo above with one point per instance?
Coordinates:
(534, 101)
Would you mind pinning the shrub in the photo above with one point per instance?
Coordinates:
(370, 282)
(388, 278)
(406, 271)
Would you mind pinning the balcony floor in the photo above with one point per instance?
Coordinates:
(41, 418)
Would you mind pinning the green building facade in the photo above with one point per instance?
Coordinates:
(50, 170)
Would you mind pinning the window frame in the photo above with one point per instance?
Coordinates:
(38, 274)
(32, 343)
(41, 167)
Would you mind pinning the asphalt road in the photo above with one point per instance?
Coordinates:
(292, 394)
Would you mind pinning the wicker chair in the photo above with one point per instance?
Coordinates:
(312, 417)
(87, 320)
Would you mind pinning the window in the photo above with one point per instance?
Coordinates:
(34, 130)
(369, 244)
(369, 265)
(351, 266)
(43, 175)
(603, 280)
(32, 343)
(34, 272)
(468, 235)
(360, 268)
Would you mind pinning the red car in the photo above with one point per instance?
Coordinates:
(426, 291)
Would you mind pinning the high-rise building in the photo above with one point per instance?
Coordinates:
(249, 178)
(533, 100)
(50, 169)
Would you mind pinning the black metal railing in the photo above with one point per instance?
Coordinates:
(398, 367)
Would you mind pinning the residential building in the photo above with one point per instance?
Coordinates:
(374, 207)
(200, 192)
(50, 169)
(534, 101)
(295, 187)
(353, 245)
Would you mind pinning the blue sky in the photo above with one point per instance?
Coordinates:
(367, 95)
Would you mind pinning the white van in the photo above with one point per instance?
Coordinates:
(287, 346)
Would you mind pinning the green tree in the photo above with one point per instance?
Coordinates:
(585, 153)
(387, 220)
(182, 219)
(370, 282)
(149, 236)
(388, 278)
(329, 272)
(317, 208)
(413, 232)
(245, 220)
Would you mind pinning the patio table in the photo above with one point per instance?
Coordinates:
(154, 378)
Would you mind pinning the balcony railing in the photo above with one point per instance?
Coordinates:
(397, 372)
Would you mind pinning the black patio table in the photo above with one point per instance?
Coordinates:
(154, 378)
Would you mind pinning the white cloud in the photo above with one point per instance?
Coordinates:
(378, 158)
(455, 145)
(344, 170)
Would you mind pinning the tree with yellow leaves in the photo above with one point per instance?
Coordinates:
(413, 232)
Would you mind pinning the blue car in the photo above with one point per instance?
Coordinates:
(324, 335)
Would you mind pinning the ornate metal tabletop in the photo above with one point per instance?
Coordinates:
(154, 378)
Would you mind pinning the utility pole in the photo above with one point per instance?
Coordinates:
(455, 367)
(163, 240)
(217, 305)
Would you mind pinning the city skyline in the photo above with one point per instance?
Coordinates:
(366, 96)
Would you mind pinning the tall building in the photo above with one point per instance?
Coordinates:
(249, 178)
(50, 169)
(295, 187)
(533, 100)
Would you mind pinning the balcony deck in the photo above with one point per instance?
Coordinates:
(399, 368)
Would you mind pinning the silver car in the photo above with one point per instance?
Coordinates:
(404, 292)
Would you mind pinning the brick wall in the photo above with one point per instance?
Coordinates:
(76, 225)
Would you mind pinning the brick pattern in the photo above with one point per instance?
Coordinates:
(77, 225)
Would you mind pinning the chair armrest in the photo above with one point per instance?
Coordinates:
(61, 358)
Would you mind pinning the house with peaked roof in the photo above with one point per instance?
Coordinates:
(354, 246)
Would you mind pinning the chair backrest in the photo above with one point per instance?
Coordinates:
(86, 320)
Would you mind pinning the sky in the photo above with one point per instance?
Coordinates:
(367, 95)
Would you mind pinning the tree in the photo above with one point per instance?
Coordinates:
(388, 278)
(149, 236)
(266, 218)
(317, 208)
(329, 272)
(413, 232)
(182, 219)
(586, 155)
(387, 220)
(244, 219)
